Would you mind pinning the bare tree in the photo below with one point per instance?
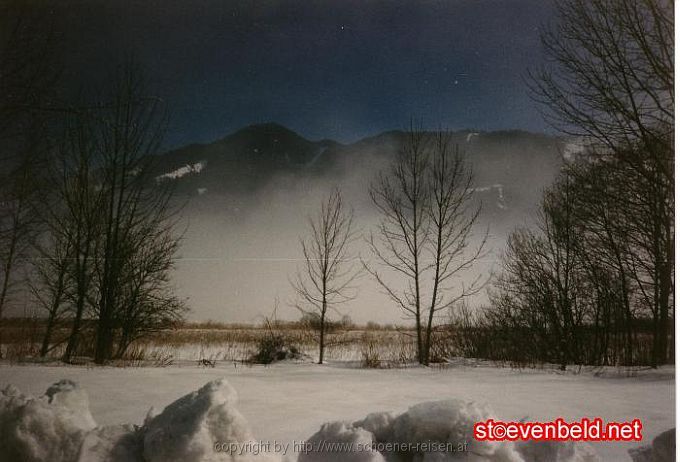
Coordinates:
(111, 235)
(27, 80)
(147, 303)
(427, 220)
(50, 285)
(580, 288)
(604, 216)
(611, 79)
(325, 281)
(453, 214)
(130, 127)
(402, 197)
(74, 221)
(540, 292)
(17, 227)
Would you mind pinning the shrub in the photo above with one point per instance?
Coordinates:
(272, 348)
(369, 353)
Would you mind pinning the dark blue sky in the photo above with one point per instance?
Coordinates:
(337, 69)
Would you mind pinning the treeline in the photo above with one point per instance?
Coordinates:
(86, 234)
(593, 283)
(108, 245)
(583, 286)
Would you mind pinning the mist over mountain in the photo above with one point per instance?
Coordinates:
(247, 197)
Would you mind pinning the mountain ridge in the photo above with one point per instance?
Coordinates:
(521, 162)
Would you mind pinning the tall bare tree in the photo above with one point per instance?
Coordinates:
(27, 79)
(611, 77)
(611, 80)
(74, 220)
(325, 281)
(402, 197)
(130, 125)
(453, 214)
(603, 210)
(111, 238)
(17, 227)
(147, 303)
(50, 286)
(428, 216)
(541, 290)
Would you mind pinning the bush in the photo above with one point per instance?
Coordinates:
(369, 353)
(272, 348)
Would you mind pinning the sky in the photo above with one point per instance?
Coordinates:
(326, 69)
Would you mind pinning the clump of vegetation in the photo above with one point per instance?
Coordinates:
(207, 362)
(370, 357)
(273, 348)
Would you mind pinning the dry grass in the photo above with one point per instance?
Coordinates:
(20, 340)
(241, 343)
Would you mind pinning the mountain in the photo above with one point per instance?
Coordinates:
(241, 161)
(511, 168)
(247, 197)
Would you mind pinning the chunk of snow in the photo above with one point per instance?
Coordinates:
(378, 423)
(445, 422)
(662, 449)
(59, 427)
(663, 446)
(49, 428)
(113, 443)
(69, 395)
(450, 422)
(340, 442)
(188, 429)
(538, 451)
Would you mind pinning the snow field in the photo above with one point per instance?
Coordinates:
(290, 402)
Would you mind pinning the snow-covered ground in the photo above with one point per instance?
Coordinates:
(289, 402)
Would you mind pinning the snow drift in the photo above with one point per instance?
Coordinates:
(662, 449)
(447, 422)
(49, 428)
(58, 427)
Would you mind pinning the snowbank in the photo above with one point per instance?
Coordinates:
(662, 449)
(188, 429)
(346, 443)
(539, 451)
(59, 427)
(205, 426)
(384, 437)
(49, 428)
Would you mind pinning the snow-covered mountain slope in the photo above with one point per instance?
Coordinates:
(250, 159)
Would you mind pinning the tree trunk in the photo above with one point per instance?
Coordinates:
(322, 333)
(48, 334)
(74, 338)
